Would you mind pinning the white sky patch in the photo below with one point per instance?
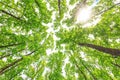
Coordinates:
(4, 59)
(34, 65)
(16, 57)
(0, 14)
(76, 75)
(67, 14)
(63, 48)
(37, 10)
(23, 76)
(30, 32)
(112, 24)
(46, 70)
(56, 38)
(97, 65)
(110, 40)
(118, 40)
(25, 52)
(15, 1)
(110, 72)
(66, 61)
(91, 37)
(48, 6)
(93, 23)
(1, 24)
(83, 56)
(53, 16)
(49, 51)
(25, 18)
(116, 1)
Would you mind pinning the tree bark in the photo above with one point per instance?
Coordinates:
(111, 51)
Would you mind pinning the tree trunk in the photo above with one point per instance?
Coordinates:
(114, 52)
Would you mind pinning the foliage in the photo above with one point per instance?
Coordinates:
(38, 43)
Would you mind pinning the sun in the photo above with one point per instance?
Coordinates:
(83, 15)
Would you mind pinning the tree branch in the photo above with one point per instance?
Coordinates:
(2, 70)
(8, 6)
(37, 3)
(5, 12)
(116, 64)
(79, 67)
(4, 56)
(10, 45)
(59, 9)
(8, 66)
(114, 52)
(94, 78)
(108, 9)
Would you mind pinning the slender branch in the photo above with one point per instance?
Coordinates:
(30, 53)
(4, 56)
(2, 70)
(8, 6)
(116, 64)
(59, 9)
(108, 9)
(8, 66)
(114, 52)
(10, 45)
(37, 3)
(89, 71)
(79, 68)
(7, 55)
(5, 12)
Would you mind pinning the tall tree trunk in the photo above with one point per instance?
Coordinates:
(111, 51)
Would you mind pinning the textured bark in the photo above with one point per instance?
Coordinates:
(111, 51)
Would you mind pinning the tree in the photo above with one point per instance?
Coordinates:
(40, 40)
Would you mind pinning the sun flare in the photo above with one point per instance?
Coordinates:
(83, 15)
